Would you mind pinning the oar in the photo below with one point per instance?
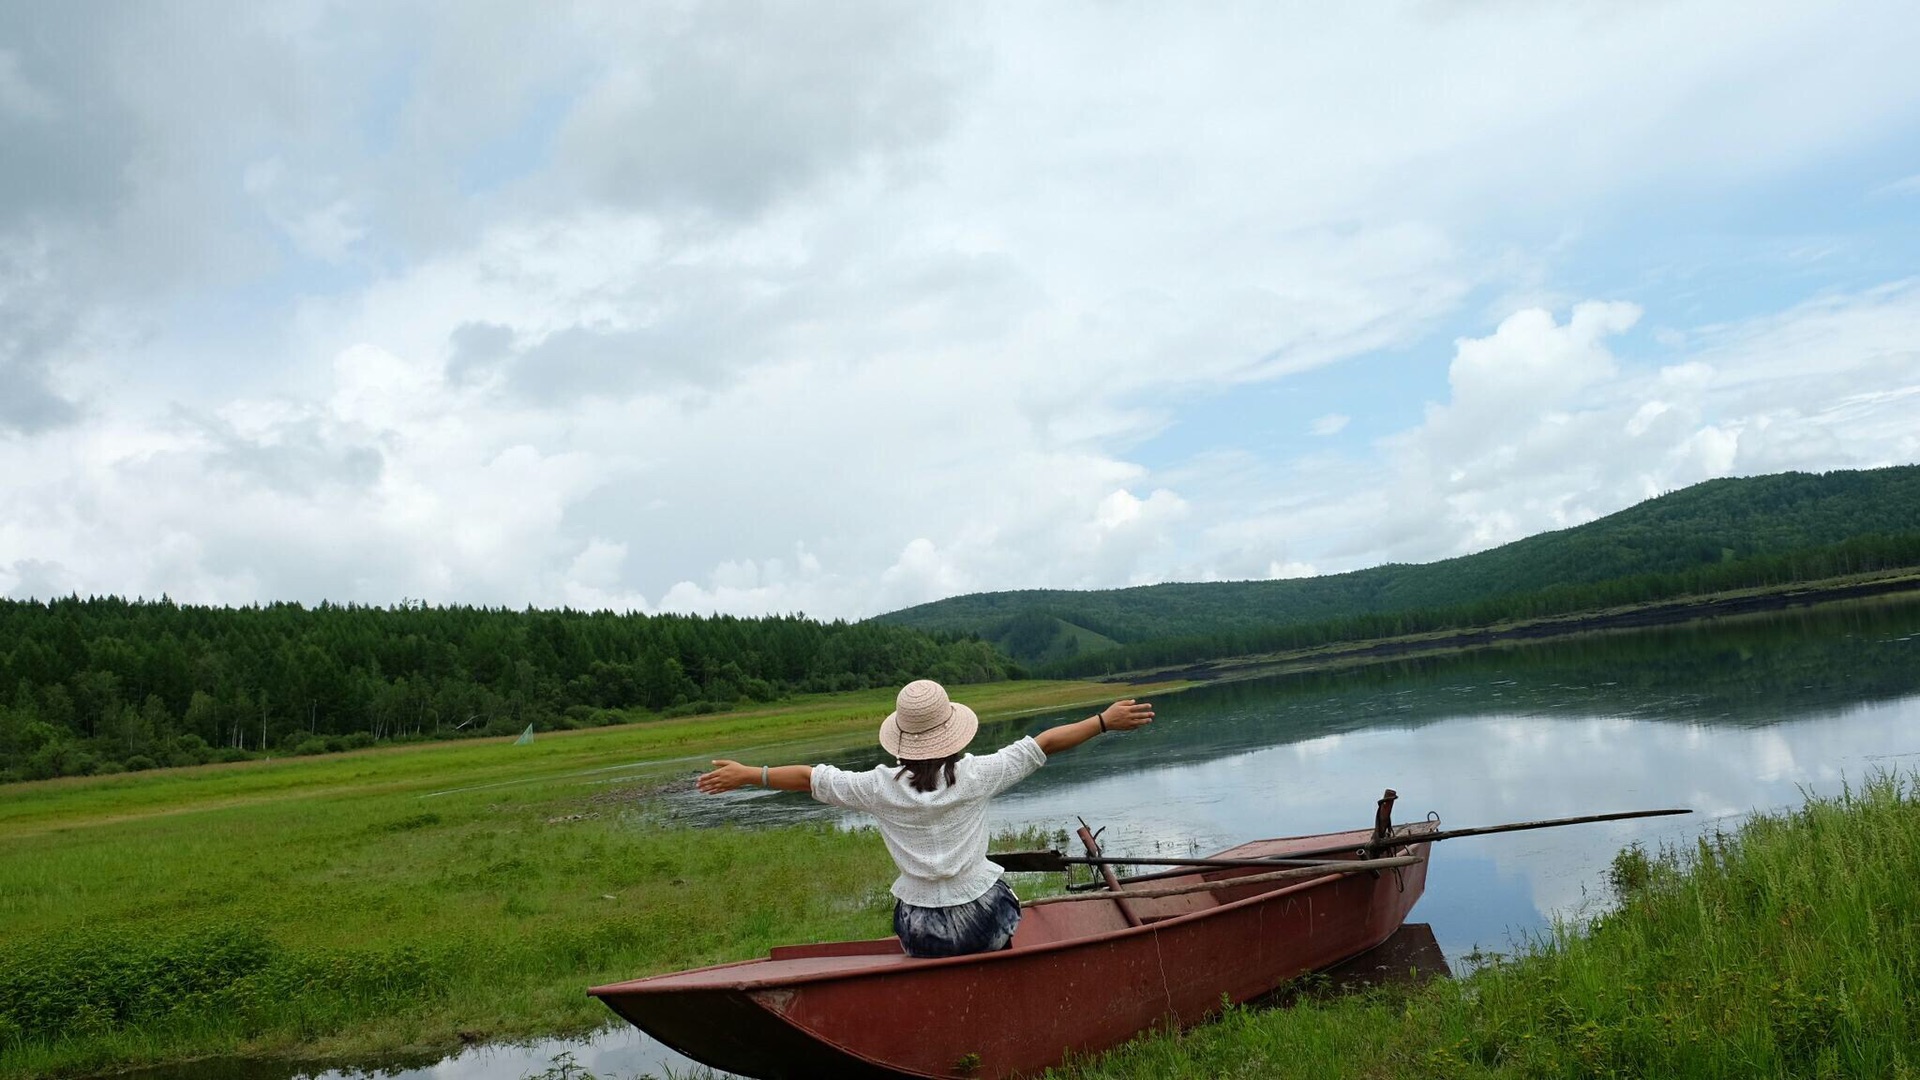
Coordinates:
(1040, 862)
(1370, 866)
(1091, 841)
(1403, 839)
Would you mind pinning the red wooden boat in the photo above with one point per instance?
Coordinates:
(1077, 980)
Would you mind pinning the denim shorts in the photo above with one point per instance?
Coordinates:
(977, 926)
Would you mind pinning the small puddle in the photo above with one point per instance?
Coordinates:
(615, 1053)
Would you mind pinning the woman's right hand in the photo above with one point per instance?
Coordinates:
(1127, 714)
(726, 776)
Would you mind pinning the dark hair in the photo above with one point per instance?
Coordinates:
(926, 774)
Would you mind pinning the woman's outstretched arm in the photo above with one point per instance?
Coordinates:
(728, 775)
(1120, 716)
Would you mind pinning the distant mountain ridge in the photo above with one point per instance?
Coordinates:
(1711, 523)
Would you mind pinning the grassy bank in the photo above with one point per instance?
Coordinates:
(1791, 949)
(410, 898)
(413, 897)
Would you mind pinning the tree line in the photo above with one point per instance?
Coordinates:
(105, 684)
(1862, 554)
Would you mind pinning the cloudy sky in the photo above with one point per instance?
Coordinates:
(837, 308)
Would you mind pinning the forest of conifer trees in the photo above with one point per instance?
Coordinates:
(1860, 555)
(107, 684)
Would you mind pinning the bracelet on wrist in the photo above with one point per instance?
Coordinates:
(763, 776)
(1102, 717)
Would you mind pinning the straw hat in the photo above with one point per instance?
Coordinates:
(926, 725)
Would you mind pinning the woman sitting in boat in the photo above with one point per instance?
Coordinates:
(949, 900)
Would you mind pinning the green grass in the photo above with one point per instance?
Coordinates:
(1789, 950)
(338, 907)
(405, 898)
(805, 722)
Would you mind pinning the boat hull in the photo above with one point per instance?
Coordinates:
(1078, 980)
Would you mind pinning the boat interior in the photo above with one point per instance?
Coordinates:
(1087, 917)
(1053, 922)
(1039, 926)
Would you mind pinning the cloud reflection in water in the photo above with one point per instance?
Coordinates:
(1724, 718)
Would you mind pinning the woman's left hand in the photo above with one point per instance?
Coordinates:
(728, 775)
(1127, 714)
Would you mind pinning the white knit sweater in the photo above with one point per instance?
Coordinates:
(937, 838)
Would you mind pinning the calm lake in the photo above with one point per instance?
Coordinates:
(1721, 717)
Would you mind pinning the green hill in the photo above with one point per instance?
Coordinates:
(1856, 519)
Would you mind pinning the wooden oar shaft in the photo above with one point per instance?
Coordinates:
(1522, 826)
(1092, 844)
(1402, 839)
(1299, 872)
(1038, 862)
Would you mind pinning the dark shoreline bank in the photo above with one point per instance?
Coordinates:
(1639, 617)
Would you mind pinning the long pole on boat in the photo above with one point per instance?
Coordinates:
(1488, 830)
(1403, 839)
(1332, 869)
(1040, 862)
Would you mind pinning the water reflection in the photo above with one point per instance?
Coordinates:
(1721, 717)
(616, 1053)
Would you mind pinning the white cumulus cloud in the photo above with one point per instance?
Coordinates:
(721, 308)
